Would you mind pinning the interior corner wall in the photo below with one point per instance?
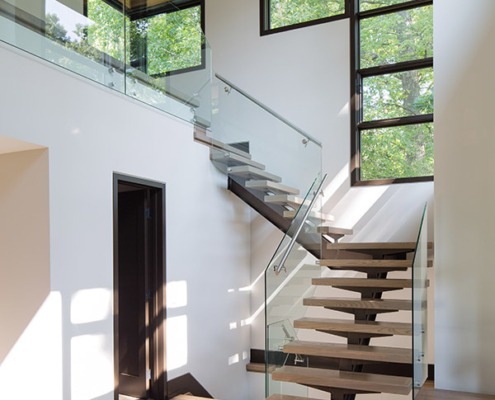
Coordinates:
(464, 195)
(91, 132)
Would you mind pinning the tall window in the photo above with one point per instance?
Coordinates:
(392, 107)
(281, 15)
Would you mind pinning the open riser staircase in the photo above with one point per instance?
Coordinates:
(350, 365)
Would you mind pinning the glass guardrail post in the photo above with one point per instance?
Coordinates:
(419, 314)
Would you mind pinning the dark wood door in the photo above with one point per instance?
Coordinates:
(139, 287)
(133, 288)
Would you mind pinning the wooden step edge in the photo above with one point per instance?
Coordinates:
(286, 199)
(367, 263)
(363, 246)
(370, 304)
(312, 214)
(250, 172)
(189, 397)
(368, 283)
(267, 185)
(352, 326)
(226, 157)
(203, 138)
(288, 397)
(334, 230)
(259, 367)
(350, 351)
(344, 380)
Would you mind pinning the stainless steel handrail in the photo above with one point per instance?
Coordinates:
(279, 267)
(269, 110)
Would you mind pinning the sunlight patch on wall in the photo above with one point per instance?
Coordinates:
(90, 305)
(177, 336)
(91, 367)
(176, 294)
(234, 359)
(36, 356)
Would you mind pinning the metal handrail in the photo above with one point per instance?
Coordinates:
(279, 268)
(269, 110)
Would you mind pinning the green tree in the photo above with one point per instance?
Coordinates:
(290, 12)
(402, 151)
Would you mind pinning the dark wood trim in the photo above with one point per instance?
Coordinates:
(355, 96)
(392, 181)
(157, 315)
(186, 384)
(265, 19)
(394, 8)
(356, 103)
(396, 68)
(393, 122)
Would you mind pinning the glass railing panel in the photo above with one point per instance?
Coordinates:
(170, 59)
(288, 280)
(131, 51)
(419, 314)
(284, 149)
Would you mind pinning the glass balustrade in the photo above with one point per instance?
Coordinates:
(288, 279)
(419, 314)
(133, 49)
(282, 148)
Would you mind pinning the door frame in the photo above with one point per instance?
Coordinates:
(157, 303)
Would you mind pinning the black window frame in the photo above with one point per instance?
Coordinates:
(167, 7)
(265, 19)
(359, 74)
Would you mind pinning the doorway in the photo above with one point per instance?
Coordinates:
(139, 288)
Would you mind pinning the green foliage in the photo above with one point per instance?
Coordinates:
(398, 152)
(156, 45)
(290, 12)
(365, 5)
(403, 151)
(397, 37)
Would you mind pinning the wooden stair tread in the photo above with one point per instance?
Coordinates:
(231, 159)
(250, 172)
(401, 246)
(344, 380)
(351, 326)
(312, 214)
(201, 137)
(259, 367)
(350, 351)
(286, 199)
(333, 230)
(364, 282)
(288, 397)
(367, 304)
(189, 397)
(366, 263)
(270, 186)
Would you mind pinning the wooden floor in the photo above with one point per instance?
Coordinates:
(430, 393)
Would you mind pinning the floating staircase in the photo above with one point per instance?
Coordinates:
(362, 269)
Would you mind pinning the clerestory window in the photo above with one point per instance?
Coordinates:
(282, 15)
(160, 39)
(392, 88)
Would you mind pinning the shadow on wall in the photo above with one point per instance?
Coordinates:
(378, 213)
(24, 238)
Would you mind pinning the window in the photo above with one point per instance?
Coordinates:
(392, 87)
(282, 15)
(165, 38)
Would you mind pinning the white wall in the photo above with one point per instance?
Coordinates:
(464, 195)
(92, 132)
